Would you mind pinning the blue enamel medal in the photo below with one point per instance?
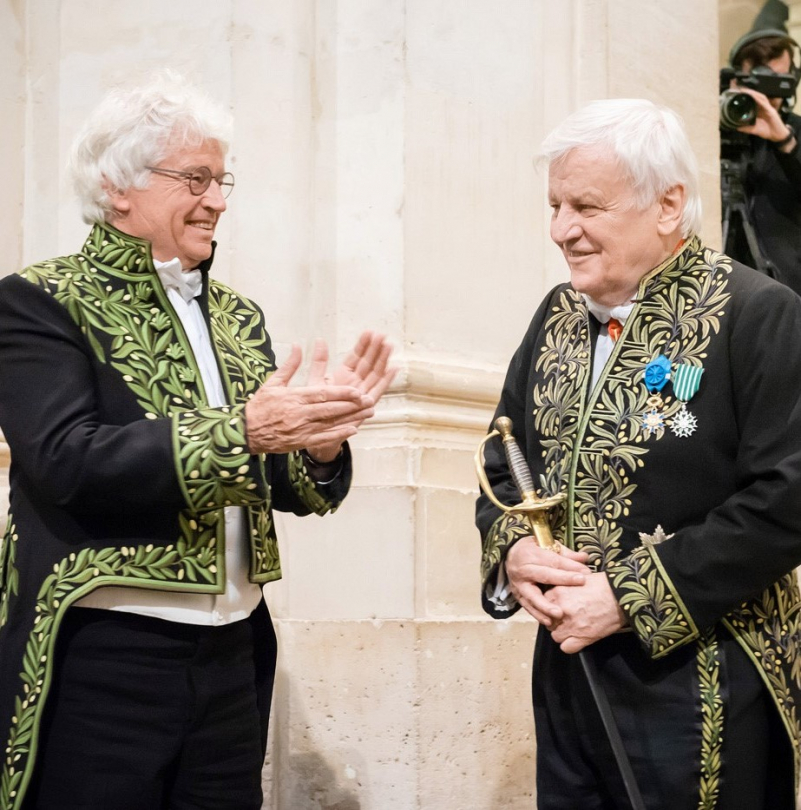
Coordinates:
(656, 374)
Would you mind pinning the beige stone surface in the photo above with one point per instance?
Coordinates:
(12, 107)
(354, 564)
(448, 554)
(403, 715)
(736, 17)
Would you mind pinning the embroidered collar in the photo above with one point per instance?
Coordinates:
(691, 245)
(125, 253)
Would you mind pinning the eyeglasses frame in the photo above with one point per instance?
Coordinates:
(225, 180)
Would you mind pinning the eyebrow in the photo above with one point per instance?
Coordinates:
(583, 198)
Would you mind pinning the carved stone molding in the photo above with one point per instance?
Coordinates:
(438, 402)
(443, 401)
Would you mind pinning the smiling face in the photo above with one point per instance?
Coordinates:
(609, 244)
(167, 214)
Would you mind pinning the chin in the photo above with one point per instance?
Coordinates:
(198, 255)
(583, 284)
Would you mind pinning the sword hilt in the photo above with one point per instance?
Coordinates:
(521, 474)
(534, 508)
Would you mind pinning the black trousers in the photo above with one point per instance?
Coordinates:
(658, 712)
(147, 714)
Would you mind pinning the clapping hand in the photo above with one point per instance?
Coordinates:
(325, 412)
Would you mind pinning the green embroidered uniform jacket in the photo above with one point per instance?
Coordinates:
(728, 496)
(120, 471)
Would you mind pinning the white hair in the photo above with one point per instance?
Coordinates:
(648, 141)
(135, 128)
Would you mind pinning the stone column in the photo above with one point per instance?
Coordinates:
(394, 691)
(12, 105)
(12, 112)
(794, 20)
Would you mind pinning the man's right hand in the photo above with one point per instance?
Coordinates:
(528, 567)
(280, 419)
(769, 124)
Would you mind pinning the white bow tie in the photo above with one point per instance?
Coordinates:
(187, 283)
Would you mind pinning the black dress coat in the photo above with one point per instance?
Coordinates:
(727, 496)
(120, 471)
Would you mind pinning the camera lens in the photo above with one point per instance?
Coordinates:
(736, 109)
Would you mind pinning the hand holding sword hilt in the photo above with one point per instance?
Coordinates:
(532, 508)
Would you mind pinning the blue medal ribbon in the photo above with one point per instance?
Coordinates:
(657, 374)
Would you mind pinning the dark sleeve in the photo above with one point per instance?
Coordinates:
(63, 453)
(753, 538)
(499, 530)
(296, 488)
(790, 162)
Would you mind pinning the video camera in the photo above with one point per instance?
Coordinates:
(739, 109)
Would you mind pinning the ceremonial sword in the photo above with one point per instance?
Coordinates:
(535, 511)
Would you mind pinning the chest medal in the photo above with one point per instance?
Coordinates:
(686, 381)
(656, 374)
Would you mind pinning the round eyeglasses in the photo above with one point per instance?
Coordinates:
(199, 179)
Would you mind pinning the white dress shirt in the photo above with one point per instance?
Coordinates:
(241, 596)
(604, 343)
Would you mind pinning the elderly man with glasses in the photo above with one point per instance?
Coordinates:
(151, 438)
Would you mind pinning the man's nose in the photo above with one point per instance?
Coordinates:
(564, 226)
(213, 197)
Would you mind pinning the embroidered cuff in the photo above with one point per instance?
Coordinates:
(503, 534)
(655, 610)
(323, 472)
(215, 467)
(312, 492)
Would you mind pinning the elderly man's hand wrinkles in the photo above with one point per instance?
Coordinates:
(589, 613)
(366, 368)
(280, 419)
(528, 567)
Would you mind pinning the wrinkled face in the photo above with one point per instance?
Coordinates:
(608, 244)
(167, 214)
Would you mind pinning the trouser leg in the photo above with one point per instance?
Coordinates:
(132, 701)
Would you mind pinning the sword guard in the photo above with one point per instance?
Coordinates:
(532, 508)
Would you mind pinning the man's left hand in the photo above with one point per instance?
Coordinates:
(768, 124)
(591, 613)
(365, 368)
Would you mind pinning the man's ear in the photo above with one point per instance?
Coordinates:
(120, 203)
(671, 207)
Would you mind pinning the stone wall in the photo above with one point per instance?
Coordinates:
(384, 159)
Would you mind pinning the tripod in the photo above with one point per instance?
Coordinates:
(735, 210)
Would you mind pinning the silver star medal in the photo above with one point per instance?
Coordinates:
(686, 381)
(683, 423)
(652, 419)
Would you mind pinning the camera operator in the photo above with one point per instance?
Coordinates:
(764, 160)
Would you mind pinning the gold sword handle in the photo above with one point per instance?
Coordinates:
(534, 508)
(521, 474)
